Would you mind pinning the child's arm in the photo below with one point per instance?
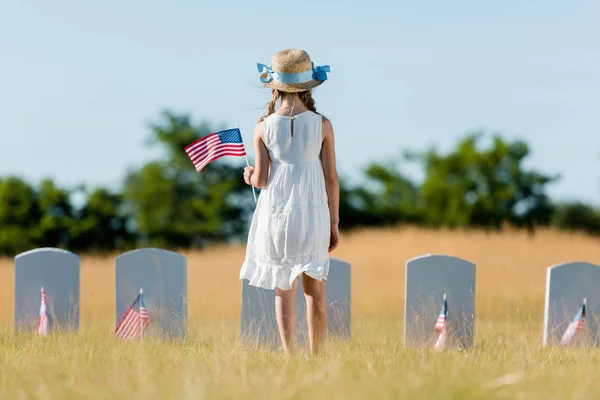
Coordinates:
(259, 175)
(331, 176)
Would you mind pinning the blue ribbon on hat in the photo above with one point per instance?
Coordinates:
(319, 73)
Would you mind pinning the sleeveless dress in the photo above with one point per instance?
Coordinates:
(290, 229)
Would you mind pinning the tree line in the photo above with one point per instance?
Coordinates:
(167, 204)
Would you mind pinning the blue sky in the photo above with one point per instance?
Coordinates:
(80, 81)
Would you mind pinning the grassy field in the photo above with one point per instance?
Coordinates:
(507, 361)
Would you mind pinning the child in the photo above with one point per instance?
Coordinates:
(295, 224)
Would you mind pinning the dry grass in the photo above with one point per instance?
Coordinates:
(213, 365)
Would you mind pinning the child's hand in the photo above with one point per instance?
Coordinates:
(334, 239)
(248, 171)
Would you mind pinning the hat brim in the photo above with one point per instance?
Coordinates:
(292, 87)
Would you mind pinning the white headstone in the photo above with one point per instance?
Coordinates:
(57, 271)
(428, 278)
(259, 323)
(162, 275)
(338, 293)
(566, 287)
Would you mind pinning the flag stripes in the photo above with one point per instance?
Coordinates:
(216, 145)
(135, 321)
(577, 325)
(42, 328)
(440, 326)
(440, 343)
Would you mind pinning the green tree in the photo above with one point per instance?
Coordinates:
(55, 216)
(396, 197)
(386, 197)
(577, 216)
(101, 224)
(483, 187)
(354, 210)
(19, 215)
(172, 205)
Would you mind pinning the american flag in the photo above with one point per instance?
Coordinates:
(216, 145)
(135, 321)
(42, 328)
(440, 326)
(576, 325)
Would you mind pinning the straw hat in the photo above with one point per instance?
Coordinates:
(293, 71)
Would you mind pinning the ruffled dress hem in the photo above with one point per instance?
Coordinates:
(282, 276)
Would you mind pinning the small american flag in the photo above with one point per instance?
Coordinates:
(42, 328)
(576, 325)
(135, 321)
(216, 145)
(440, 326)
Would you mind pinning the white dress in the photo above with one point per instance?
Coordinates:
(290, 229)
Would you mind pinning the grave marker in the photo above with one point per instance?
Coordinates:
(259, 323)
(566, 287)
(428, 278)
(57, 271)
(162, 275)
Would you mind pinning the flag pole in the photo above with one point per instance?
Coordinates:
(248, 164)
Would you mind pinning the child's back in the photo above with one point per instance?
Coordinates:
(305, 144)
(290, 229)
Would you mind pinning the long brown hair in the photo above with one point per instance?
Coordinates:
(305, 97)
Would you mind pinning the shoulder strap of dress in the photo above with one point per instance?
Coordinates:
(266, 130)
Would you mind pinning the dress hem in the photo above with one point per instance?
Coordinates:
(267, 277)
